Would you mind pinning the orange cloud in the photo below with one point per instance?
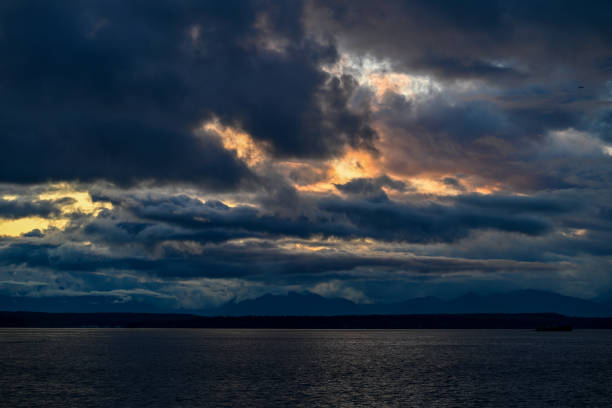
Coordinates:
(251, 152)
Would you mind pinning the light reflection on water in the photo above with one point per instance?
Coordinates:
(225, 367)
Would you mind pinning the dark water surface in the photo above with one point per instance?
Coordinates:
(208, 368)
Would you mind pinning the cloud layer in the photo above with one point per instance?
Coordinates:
(181, 155)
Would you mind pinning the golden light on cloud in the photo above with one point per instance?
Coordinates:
(353, 164)
(80, 202)
(390, 82)
(362, 164)
(432, 186)
(575, 232)
(18, 227)
(242, 143)
(380, 76)
(303, 247)
(435, 185)
(486, 190)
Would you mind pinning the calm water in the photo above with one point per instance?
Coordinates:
(202, 368)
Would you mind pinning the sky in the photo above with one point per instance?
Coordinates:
(183, 154)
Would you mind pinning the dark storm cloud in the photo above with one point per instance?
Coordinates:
(265, 263)
(213, 217)
(177, 237)
(368, 187)
(493, 40)
(185, 218)
(35, 233)
(428, 224)
(522, 204)
(453, 183)
(19, 208)
(113, 90)
(603, 126)
(458, 67)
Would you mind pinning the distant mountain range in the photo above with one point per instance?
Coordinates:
(519, 301)
(310, 304)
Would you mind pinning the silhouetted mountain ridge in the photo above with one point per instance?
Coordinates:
(518, 301)
(311, 304)
(292, 304)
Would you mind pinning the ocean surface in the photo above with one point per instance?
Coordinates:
(310, 368)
